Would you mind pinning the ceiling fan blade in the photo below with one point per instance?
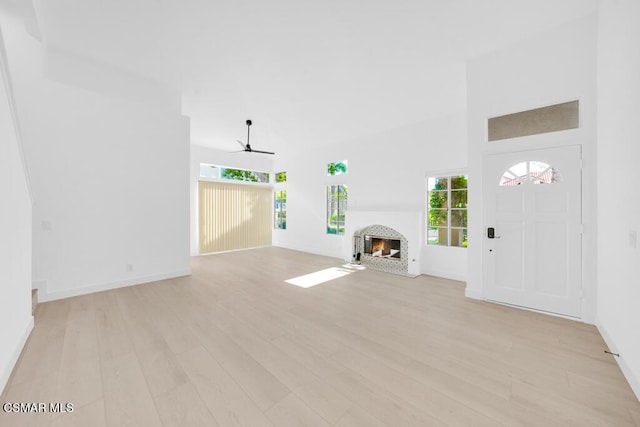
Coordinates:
(262, 152)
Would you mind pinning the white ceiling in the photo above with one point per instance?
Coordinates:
(304, 72)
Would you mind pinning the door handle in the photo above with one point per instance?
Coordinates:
(491, 233)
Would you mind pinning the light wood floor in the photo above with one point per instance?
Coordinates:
(236, 345)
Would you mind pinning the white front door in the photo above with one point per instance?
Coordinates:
(532, 237)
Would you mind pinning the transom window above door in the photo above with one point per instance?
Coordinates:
(532, 171)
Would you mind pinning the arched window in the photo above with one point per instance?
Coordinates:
(532, 171)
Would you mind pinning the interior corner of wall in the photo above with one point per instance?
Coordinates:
(5, 371)
(30, 17)
(40, 285)
(473, 293)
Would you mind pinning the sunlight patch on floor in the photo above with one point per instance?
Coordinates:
(322, 276)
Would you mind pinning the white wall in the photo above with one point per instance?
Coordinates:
(556, 66)
(241, 160)
(386, 174)
(15, 229)
(618, 178)
(110, 173)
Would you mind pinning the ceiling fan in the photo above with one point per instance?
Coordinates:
(247, 147)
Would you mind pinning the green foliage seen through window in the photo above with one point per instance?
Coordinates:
(337, 168)
(447, 211)
(244, 175)
(336, 208)
(280, 209)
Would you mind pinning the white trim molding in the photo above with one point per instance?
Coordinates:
(445, 275)
(472, 293)
(68, 293)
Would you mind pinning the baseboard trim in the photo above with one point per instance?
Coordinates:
(68, 293)
(445, 275)
(234, 250)
(7, 370)
(310, 251)
(634, 382)
(471, 293)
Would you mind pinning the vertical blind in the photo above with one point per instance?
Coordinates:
(233, 216)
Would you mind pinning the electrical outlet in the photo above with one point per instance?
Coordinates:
(128, 268)
(633, 238)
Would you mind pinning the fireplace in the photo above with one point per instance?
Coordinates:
(382, 247)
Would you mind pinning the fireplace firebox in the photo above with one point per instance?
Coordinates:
(382, 247)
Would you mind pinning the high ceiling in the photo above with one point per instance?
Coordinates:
(304, 72)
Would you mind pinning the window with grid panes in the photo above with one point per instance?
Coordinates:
(447, 210)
